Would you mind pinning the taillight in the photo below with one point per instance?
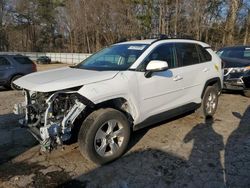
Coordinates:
(34, 69)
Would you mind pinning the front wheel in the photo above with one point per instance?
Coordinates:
(104, 135)
(209, 102)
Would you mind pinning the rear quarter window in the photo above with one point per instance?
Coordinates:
(23, 60)
(205, 56)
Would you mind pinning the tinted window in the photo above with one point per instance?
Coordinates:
(163, 52)
(23, 60)
(3, 61)
(187, 54)
(204, 55)
(241, 53)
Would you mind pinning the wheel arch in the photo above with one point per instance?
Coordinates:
(211, 82)
(15, 74)
(121, 104)
(12, 76)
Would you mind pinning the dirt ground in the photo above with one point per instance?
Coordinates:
(185, 152)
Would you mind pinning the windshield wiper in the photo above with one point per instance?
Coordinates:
(73, 66)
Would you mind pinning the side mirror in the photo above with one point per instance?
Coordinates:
(155, 66)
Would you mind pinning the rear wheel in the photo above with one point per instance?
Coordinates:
(104, 135)
(209, 102)
(247, 93)
(14, 86)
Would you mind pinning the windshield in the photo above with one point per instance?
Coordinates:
(116, 57)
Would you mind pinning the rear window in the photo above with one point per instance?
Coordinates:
(4, 61)
(23, 60)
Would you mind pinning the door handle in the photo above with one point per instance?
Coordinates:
(177, 78)
(206, 69)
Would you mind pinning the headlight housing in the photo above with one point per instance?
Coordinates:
(237, 69)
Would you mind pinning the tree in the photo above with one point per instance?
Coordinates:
(4, 44)
(87, 26)
(235, 6)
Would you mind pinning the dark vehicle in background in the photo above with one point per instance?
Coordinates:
(13, 67)
(236, 68)
(43, 60)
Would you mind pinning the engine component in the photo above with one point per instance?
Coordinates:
(51, 114)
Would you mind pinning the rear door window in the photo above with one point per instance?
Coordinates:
(187, 54)
(23, 60)
(4, 61)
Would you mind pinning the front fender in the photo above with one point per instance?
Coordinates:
(119, 87)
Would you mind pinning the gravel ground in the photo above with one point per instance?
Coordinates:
(185, 152)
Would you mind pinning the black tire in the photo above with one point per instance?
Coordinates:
(7, 86)
(95, 122)
(204, 111)
(247, 93)
(12, 85)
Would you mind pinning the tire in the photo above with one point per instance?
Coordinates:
(98, 138)
(247, 93)
(12, 85)
(209, 103)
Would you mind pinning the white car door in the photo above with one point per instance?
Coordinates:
(194, 71)
(160, 92)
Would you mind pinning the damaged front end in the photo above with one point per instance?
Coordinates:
(50, 116)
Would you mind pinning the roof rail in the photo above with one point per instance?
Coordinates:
(164, 37)
(157, 37)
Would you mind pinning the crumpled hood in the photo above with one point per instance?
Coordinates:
(235, 62)
(63, 78)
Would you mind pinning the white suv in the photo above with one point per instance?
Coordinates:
(124, 87)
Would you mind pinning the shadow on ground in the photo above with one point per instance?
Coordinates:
(237, 153)
(14, 140)
(158, 168)
(31, 175)
(233, 92)
(3, 89)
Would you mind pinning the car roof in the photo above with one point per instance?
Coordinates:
(146, 41)
(151, 41)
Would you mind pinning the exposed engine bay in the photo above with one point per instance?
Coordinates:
(50, 116)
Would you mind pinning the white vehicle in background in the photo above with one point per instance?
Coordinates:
(120, 89)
